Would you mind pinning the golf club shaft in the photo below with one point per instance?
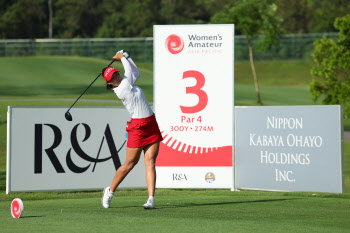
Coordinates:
(89, 86)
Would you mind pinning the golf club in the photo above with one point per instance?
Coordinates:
(67, 115)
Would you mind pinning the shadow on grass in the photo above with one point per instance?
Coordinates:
(13, 90)
(226, 203)
(2, 180)
(210, 204)
(59, 90)
(32, 217)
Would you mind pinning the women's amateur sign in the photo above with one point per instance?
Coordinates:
(193, 101)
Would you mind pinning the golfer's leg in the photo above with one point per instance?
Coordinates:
(132, 157)
(151, 152)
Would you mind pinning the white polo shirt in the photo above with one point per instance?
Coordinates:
(132, 96)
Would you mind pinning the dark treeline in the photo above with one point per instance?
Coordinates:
(21, 19)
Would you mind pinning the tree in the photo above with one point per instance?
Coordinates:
(24, 19)
(50, 18)
(332, 67)
(253, 18)
(136, 18)
(129, 19)
(77, 18)
(297, 15)
(325, 12)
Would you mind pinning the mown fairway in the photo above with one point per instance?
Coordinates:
(58, 77)
(44, 81)
(183, 211)
(281, 83)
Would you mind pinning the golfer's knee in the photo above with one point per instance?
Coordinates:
(150, 162)
(129, 166)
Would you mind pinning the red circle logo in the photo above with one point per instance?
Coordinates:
(16, 208)
(174, 43)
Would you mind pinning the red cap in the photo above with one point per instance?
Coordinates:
(107, 75)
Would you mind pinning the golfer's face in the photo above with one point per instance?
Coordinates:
(116, 78)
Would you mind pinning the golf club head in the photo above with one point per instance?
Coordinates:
(68, 116)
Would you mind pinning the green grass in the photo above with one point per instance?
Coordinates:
(347, 124)
(281, 83)
(59, 77)
(272, 95)
(184, 211)
(275, 73)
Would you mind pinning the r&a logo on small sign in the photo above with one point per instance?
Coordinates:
(179, 176)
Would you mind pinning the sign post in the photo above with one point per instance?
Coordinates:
(194, 101)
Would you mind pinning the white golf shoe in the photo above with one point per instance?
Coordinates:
(149, 204)
(107, 197)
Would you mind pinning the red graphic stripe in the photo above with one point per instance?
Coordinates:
(184, 146)
(178, 146)
(173, 143)
(169, 157)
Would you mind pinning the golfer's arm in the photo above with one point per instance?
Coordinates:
(128, 71)
(135, 71)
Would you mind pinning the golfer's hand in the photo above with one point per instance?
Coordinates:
(118, 56)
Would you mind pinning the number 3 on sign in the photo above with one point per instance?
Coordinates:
(203, 97)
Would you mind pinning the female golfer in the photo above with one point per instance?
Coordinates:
(143, 131)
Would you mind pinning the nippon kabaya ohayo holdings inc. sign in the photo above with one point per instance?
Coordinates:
(294, 148)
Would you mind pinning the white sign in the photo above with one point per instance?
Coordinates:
(193, 101)
(46, 152)
(293, 148)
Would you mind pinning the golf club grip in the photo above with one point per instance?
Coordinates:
(89, 86)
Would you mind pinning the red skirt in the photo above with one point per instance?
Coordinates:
(142, 132)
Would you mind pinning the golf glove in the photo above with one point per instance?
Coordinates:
(125, 54)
